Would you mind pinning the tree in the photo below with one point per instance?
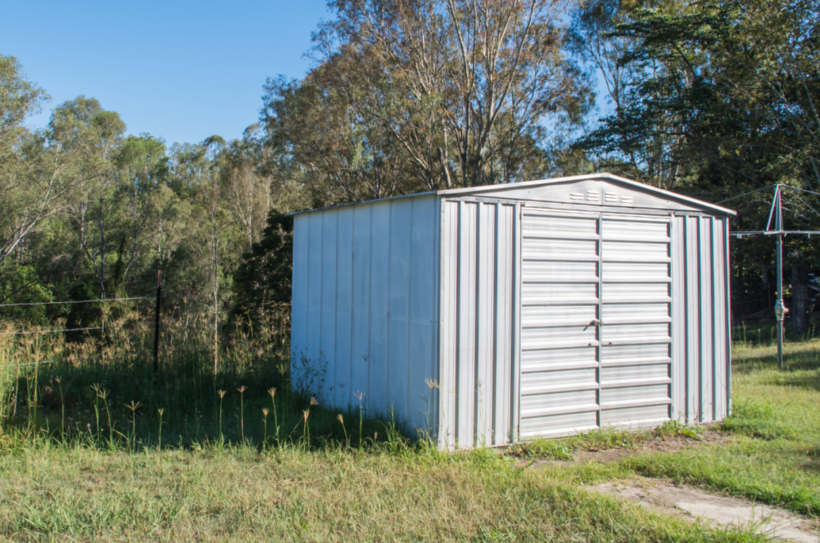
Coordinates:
(428, 94)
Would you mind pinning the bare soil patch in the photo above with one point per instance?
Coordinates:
(715, 508)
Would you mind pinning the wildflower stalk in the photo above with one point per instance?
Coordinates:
(265, 412)
(133, 406)
(160, 411)
(341, 420)
(272, 394)
(62, 409)
(221, 394)
(241, 391)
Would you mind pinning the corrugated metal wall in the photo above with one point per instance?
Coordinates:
(478, 349)
(365, 308)
(595, 321)
(701, 370)
(623, 321)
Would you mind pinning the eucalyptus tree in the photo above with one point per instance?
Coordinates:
(429, 94)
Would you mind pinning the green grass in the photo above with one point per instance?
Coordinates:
(52, 492)
(69, 480)
(773, 454)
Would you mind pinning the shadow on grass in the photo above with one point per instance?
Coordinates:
(181, 406)
(800, 360)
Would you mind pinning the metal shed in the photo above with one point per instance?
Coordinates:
(493, 314)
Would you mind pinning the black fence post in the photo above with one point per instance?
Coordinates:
(157, 321)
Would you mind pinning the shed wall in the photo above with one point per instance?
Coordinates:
(479, 339)
(701, 361)
(365, 308)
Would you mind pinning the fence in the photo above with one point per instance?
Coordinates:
(39, 331)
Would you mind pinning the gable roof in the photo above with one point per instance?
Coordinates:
(499, 189)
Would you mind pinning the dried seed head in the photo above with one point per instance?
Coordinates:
(272, 392)
(221, 393)
(358, 395)
(265, 411)
(241, 389)
(160, 411)
(133, 406)
(305, 414)
(58, 380)
(431, 383)
(313, 401)
(341, 419)
(375, 436)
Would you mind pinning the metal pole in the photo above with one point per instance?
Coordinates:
(779, 308)
(157, 321)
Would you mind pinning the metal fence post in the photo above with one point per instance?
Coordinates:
(157, 321)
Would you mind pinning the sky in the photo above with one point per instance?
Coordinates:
(179, 70)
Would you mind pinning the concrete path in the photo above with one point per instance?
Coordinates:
(726, 510)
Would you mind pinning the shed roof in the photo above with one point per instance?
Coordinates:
(499, 190)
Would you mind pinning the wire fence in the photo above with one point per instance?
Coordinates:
(65, 330)
(66, 302)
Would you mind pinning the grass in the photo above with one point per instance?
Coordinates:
(175, 461)
(773, 455)
(287, 494)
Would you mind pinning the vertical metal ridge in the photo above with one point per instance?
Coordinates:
(408, 384)
(700, 320)
(459, 316)
(496, 397)
(516, 326)
(369, 306)
(686, 316)
(599, 267)
(388, 385)
(714, 358)
(728, 274)
(477, 324)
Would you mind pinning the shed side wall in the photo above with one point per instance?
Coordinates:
(478, 312)
(701, 325)
(365, 309)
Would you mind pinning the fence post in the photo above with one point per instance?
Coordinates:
(157, 321)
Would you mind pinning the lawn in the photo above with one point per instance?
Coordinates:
(120, 486)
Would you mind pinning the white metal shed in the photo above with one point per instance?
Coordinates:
(492, 314)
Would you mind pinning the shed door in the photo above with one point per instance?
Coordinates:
(595, 322)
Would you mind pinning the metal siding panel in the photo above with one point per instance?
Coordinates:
(515, 431)
(465, 368)
(678, 306)
(706, 314)
(728, 317)
(422, 315)
(558, 392)
(557, 249)
(448, 300)
(361, 323)
(560, 425)
(399, 312)
(379, 300)
(299, 297)
(692, 320)
(344, 310)
(635, 416)
(719, 312)
(502, 320)
(313, 361)
(485, 325)
(635, 251)
(327, 354)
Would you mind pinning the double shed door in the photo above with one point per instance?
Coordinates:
(595, 321)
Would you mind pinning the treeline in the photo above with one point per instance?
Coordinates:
(707, 97)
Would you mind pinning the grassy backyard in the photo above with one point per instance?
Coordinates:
(326, 487)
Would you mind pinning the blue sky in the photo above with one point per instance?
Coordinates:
(179, 70)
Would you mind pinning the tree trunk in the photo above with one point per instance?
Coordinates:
(800, 296)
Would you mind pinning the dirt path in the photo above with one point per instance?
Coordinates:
(726, 510)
